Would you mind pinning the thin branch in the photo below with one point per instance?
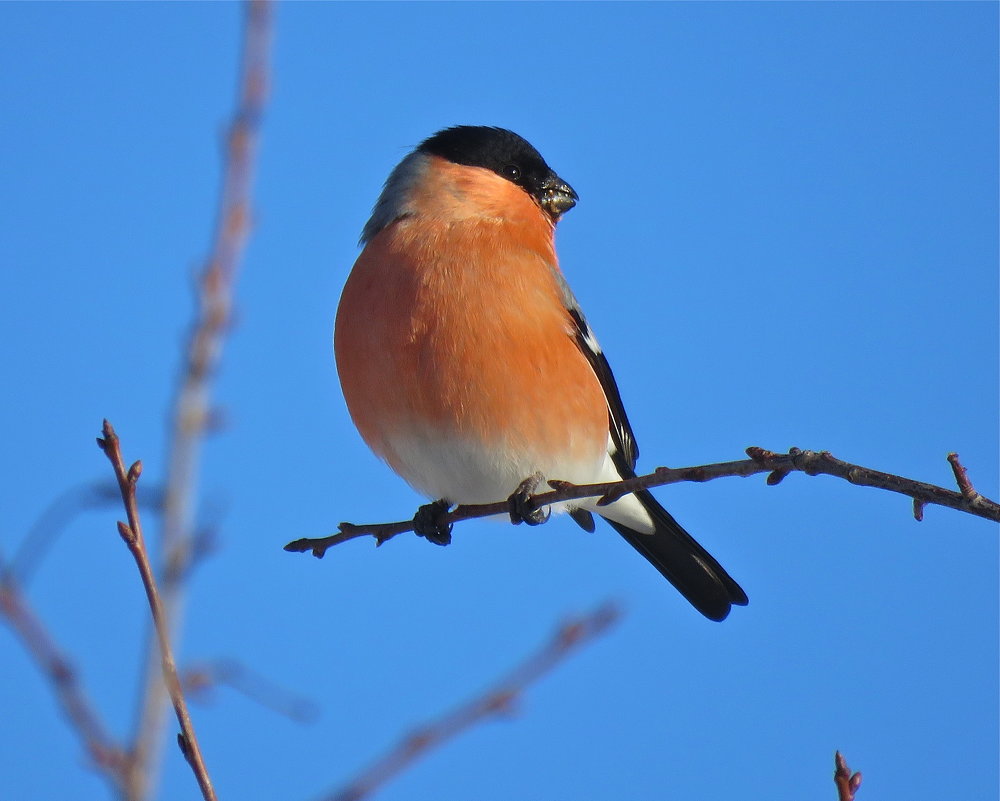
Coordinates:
(131, 532)
(106, 755)
(201, 678)
(191, 410)
(61, 511)
(847, 783)
(962, 479)
(776, 465)
(495, 702)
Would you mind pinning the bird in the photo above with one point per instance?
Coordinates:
(468, 366)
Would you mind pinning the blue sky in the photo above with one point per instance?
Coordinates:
(786, 236)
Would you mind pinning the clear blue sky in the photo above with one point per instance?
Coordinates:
(787, 236)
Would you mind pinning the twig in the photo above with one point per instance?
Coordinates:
(131, 532)
(847, 783)
(777, 465)
(199, 679)
(62, 509)
(962, 479)
(497, 701)
(83, 720)
(191, 412)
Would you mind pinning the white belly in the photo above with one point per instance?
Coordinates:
(463, 472)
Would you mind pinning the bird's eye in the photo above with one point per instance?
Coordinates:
(511, 172)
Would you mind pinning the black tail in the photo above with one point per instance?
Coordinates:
(683, 562)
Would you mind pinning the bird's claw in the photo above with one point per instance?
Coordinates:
(521, 504)
(427, 523)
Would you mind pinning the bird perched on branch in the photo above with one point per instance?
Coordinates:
(467, 364)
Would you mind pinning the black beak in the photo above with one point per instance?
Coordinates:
(556, 196)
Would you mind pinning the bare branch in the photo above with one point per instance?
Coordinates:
(191, 415)
(497, 701)
(131, 532)
(62, 509)
(962, 479)
(847, 783)
(106, 755)
(777, 465)
(201, 678)
(216, 284)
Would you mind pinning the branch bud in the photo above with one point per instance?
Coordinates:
(126, 533)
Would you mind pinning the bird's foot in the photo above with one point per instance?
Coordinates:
(427, 522)
(522, 506)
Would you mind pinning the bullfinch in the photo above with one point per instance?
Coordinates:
(467, 364)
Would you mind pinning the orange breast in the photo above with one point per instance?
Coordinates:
(459, 328)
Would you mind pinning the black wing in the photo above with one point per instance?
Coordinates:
(626, 452)
(674, 552)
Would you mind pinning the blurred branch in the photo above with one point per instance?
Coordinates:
(56, 516)
(105, 754)
(847, 783)
(497, 701)
(191, 413)
(131, 533)
(777, 465)
(201, 678)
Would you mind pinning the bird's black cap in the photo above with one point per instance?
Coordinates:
(508, 155)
